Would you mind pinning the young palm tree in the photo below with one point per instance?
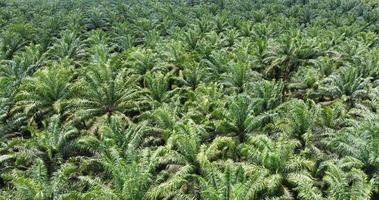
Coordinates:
(161, 122)
(192, 75)
(123, 38)
(230, 37)
(191, 39)
(130, 181)
(220, 22)
(45, 172)
(216, 64)
(304, 82)
(96, 19)
(123, 137)
(301, 116)
(176, 54)
(58, 142)
(32, 186)
(23, 65)
(205, 105)
(215, 99)
(246, 29)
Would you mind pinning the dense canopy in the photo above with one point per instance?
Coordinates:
(189, 99)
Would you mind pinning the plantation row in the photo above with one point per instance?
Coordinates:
(205, 100)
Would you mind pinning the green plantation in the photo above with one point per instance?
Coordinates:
(189, 99)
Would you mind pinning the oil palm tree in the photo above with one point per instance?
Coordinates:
(105, 89)
(125, 172)
(192, 75)
(347, 83)
(36, 186)
(239, 118)
(216, 64)
(130, 180)
(142, 60)
(266, 95)
(123, 37)
(45, 173)
(360, 142)
(304, 82)
(191, 38)
(219, 99)
(68, 46)
(205, 105)
(234, 181)
(345, 179)
(279, 158)
(178, 164)
(289, 54)
(14, 72)
(301, 116)
(10, 43)
(96, 19)
(238, 76)
(157, 87)
(45, 93)
(23, 65)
